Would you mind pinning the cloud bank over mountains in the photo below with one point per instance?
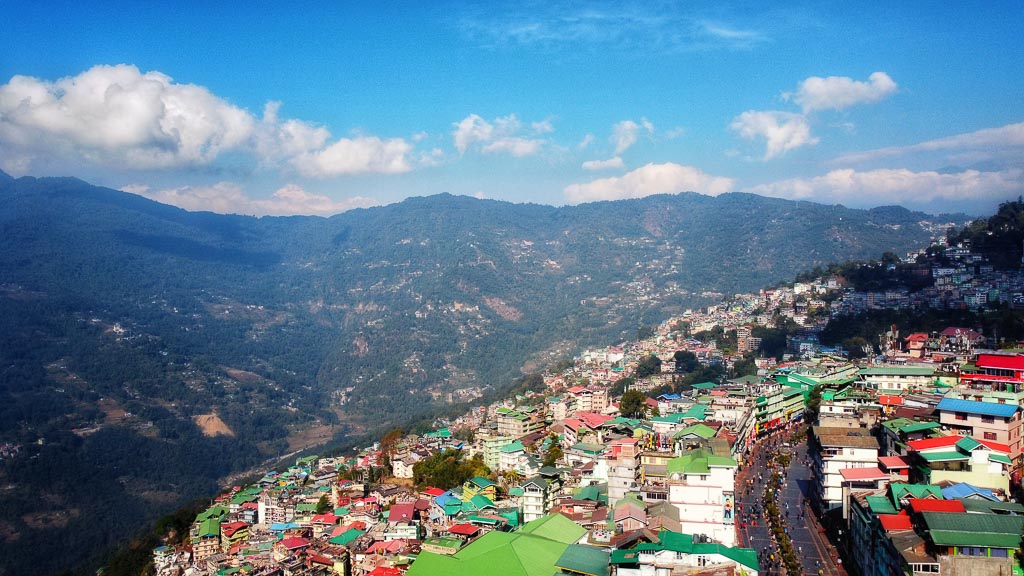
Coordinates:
(128, 121)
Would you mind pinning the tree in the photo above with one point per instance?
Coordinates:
(388, 446)
(323, 504)
(554, 453)
(686, 361)
(621, 385)
(633, 404)
(648, 366)
(813, 405)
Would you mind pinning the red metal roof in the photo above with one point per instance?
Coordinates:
(995, 446)
(1001, 361)
(933, 443)
(872, 473)
(886, 400)
(294, 542)
(929, 505)
(917, 337)
(895, 522)
(464, 529)
(894, 462)
(401, 512)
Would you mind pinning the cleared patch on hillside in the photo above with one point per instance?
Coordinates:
(211, 425)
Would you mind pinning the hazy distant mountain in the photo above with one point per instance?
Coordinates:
(155, 350)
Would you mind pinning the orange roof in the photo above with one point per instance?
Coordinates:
(917, 337)
(886, 400)
(894, 462)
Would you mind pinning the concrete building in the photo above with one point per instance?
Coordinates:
(838, 449)
(700, 486)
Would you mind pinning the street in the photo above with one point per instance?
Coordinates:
(817, 555)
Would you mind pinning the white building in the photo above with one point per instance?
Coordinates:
(700, 485)
(839, 449)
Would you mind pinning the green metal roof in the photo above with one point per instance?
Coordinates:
(532, 550)
(584, 560)
(897, 371)
(702, 430)
(919, 427)
(698, 462)
(900, 490)
(516, 446)
(683, 543)
(1001, 458)
(943, 456)
(880, 505)
(347, 537)
(984, 530)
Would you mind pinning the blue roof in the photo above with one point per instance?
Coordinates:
(963, 490)
(982, 408)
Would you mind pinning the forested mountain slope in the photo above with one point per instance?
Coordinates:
(146, 352)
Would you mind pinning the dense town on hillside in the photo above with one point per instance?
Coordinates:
(617, 464)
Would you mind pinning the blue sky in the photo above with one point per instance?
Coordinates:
(291, 108)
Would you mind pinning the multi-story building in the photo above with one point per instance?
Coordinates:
(516, 424)
(889, 379)
(983, 420)
(994, 378)
(490, 446)
(589, 399)
(700, 486)
(837, 450)
(623, 468)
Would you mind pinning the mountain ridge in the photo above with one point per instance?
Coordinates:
(124, 322)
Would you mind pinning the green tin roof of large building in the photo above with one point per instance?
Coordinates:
(579, 559)
(983, 530)
(533, 550)
(346, 537)
(881, 505)
(683, 543)
(698, 462)
(897, 371)
(702, 430)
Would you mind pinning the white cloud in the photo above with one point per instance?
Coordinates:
(609, 164)
(668, 178)
(514, 146)
(543, 127)
(673, 133)
(626, 133)
(782, 131)
(230, 198)
(117, 116)
(898, 186)
(586, 141)
(498, 137)
(364, 154)
(990, 141)
(841, 92)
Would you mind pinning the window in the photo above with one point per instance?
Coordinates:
(988, 419)
(990, 435)
(961, 416)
